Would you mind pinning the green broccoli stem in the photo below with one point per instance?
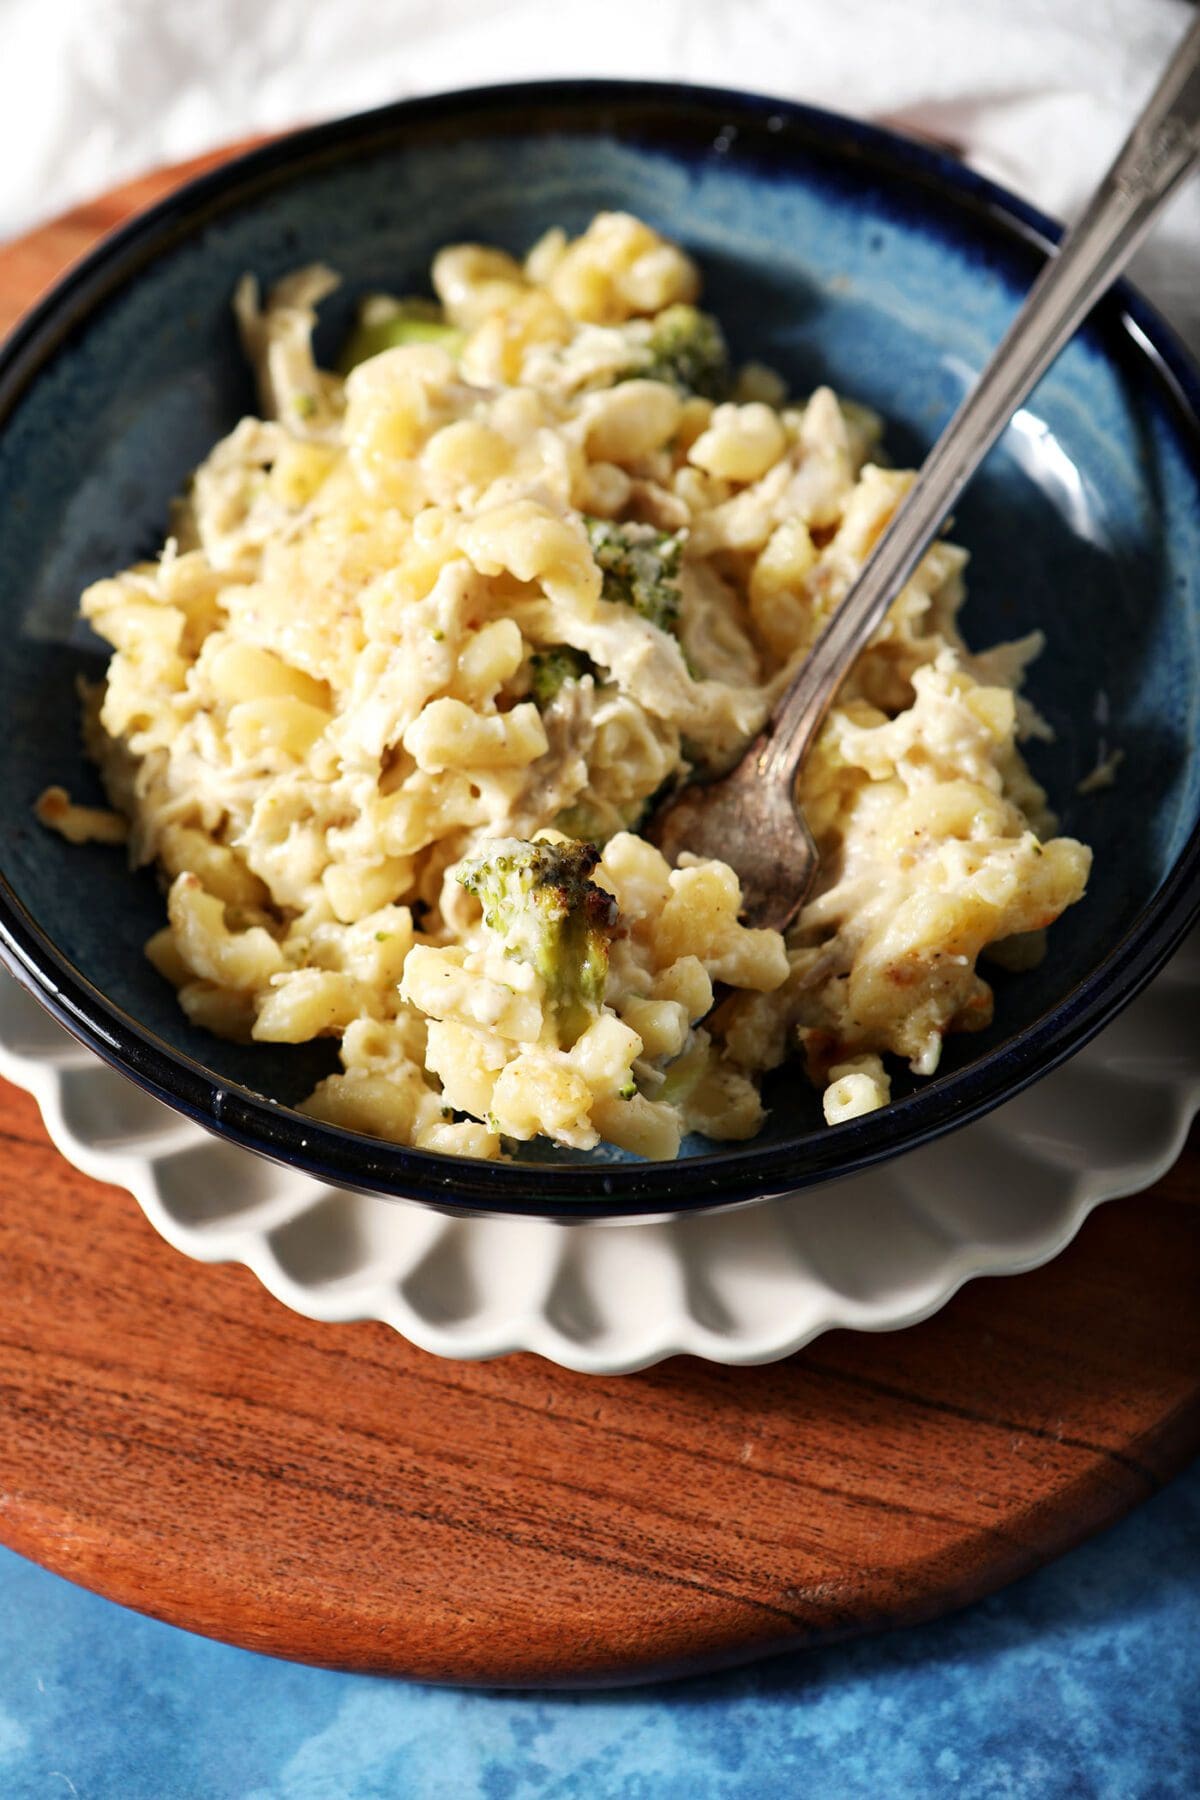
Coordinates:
(409, 321)
(539, 900)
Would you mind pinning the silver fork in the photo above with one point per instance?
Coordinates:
(751, 818)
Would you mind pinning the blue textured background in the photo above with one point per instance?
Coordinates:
(1080, 1681)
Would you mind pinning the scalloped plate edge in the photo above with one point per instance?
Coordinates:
(393, 1295)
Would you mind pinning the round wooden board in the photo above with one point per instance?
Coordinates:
(174, 1438)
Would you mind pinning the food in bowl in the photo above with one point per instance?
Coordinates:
(427, 639)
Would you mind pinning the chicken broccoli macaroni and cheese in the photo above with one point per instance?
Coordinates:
(428, 637)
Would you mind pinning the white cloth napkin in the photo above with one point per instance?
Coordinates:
(1037, 93)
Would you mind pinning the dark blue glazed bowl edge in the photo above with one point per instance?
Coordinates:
(572, 1192)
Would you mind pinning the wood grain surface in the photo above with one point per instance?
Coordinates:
(174, 1438)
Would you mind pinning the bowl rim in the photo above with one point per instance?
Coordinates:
(598, 1190)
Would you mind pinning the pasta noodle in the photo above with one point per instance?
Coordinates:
(537, 553)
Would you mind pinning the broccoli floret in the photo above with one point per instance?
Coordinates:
(640, 567)
(688, 351)
(540, 901)
(385, 323)
(550, 670)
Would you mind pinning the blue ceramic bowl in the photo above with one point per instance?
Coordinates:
(834, 252)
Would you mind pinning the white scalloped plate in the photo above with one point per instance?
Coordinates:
(873, 1252)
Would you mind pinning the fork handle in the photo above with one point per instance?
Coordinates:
(1160, 151)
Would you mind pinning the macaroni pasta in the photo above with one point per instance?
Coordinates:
(471, 604)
